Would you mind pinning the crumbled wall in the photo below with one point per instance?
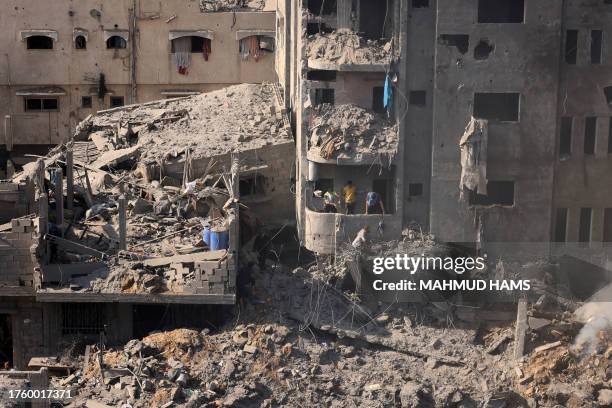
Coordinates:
(18, 258)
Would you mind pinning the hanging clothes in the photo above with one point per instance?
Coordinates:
(206, 49)
(388, 94)
(181, 54)
(254, 50)
(244, 49)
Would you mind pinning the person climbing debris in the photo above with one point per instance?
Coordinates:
(331, 202)
(360, 239)
(350, 197)
(374, 203)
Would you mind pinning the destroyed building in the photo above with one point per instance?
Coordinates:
(69, 59)
(146, 207)
(338, 84)
(532, 73)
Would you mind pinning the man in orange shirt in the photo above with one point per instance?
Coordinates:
(350, 197)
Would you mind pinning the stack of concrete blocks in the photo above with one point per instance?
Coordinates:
(18, 254)
(15, 200)
(219, 277)
(215, 277)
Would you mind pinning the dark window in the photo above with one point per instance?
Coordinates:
(571, 46)
(584, 232)
(116, 42)
(610, 136)
(461, 41)
(116, 101)
(372, 15)
(590, 134)
(86, 102)
(378, 95)
(483, 49)
(561, 225)
(197, 44)
(83, 318)
(608, 94)
(565, 139)
(324, 96)
(80, 43)
(498, 193)
(497, 106)
(418, 98)
(607, 228)
(596, 41)
(39, 42)
(420, 3)
(324, 184)
(415, 189)
(319, 7)
(252, 185)
(501, 11)
(321, 75)
(41, 104)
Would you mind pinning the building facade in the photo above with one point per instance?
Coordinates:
(533, 74)
(70, 59)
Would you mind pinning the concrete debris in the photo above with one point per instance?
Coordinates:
(349, 130)
(473, 145)
(207, 6)
(235, 118)
(347, 47)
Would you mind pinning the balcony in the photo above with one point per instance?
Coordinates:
(349, 134)
(325, 232)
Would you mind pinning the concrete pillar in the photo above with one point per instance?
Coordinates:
(59, 197)
(69, 180)
(122, 224)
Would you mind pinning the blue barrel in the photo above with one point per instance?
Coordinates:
(219, 240)
(206, 235)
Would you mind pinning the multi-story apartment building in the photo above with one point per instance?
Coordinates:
(66, 60)
(531, 76)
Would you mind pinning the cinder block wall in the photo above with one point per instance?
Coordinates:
(18, 257)
(15, 200)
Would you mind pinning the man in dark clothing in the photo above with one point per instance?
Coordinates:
(374, 204)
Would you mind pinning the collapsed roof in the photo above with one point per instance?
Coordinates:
(348, 130)
(236, 118)
(345, 47)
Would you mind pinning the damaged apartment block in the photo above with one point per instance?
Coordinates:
(348, 123)
(146, 205)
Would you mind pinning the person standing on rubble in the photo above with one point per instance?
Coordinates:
(350, 197)
(331, 202)
(374, 204)
(361, 238)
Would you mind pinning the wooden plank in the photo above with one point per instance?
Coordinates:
(189, 258)
(74, 246)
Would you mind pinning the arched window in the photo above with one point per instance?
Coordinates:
(39, 42)
(116, 42)
(80, 42)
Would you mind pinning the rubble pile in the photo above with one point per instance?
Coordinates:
(561, 367)
(304, 341)
(136, 155)
(344, 46)
(286, 357)
(344, 130)
(239, 117)
(207, 6)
